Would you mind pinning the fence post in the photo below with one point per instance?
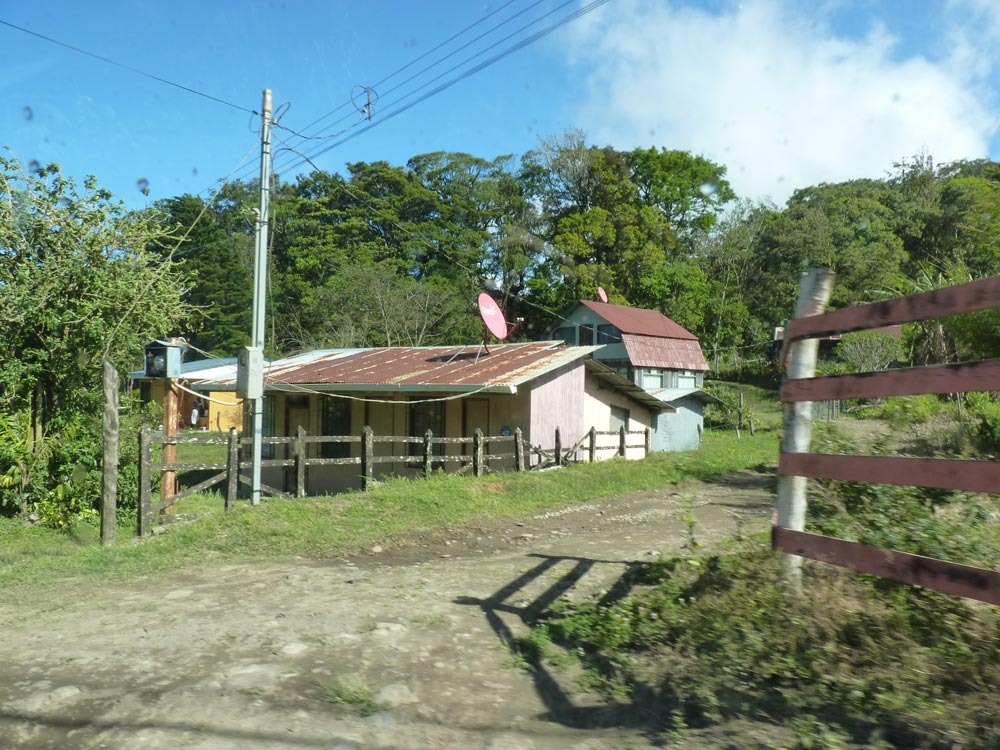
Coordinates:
(592, 447)
(477, 453)
(621, 441)
(428, 467)
(648, 441)
(300, 462)
(558, 451)
(518, 449)
(367, 454)
(814, 291)
(109, 463)
(232, 467)
(145, 510)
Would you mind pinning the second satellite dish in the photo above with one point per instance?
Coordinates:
(603, 295)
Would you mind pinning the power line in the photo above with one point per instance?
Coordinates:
(487, 63)
(465, 74)
(412, 62)
(127, 67)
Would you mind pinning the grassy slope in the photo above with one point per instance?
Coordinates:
(342, 524)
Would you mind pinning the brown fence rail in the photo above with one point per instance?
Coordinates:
(796, 463)
(476, 461)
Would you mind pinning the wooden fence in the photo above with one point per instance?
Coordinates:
(968, 475)
(477, 460)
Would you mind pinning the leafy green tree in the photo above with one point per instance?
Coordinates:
(80, 285)
(221, 280)
(868, 351)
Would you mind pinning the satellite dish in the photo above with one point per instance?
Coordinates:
(492, 317)
(603, 295)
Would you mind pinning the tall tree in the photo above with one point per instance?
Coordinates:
(79, 285)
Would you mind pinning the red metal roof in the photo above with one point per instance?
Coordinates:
(656, 351)
(639, 321)
(436, 368)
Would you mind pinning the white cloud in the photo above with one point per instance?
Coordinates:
(776, 97)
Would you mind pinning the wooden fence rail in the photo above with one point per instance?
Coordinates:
(228, 472)
(799, 464)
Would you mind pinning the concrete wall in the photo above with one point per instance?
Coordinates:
(680, 431)
(597, 413)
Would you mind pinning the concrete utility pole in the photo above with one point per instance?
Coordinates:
(259, 290)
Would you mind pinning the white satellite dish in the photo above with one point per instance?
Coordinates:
(601, 294)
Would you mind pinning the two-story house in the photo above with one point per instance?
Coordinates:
(653, 352)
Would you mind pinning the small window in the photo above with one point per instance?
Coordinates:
(608, 334)
(586, 335)
(267, 428)
(652, 378)
(336, 421)
(427, 416)
(619, 418)
(687, 381)
(566, 333)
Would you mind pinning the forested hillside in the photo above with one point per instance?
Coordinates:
(395, 254)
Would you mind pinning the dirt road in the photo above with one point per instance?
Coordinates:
(396, 650)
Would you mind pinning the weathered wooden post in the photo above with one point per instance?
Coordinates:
(300, 462)
(592, 445)
(478, 469)
(559, 460)
(621, 441)
(109, 464)
(232, 467)
(648, 441)
(168, 479)
(739, 416)
(144, 512)
(428, 466)
(814, 291)
(518, 450)
(367, 454)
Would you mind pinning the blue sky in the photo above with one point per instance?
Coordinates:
(785, 93)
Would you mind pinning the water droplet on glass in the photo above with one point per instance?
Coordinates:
(29, 115)
(708, 189)
(34, 167)
(143, 184)
(194, 171)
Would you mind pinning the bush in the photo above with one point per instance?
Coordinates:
(720, 637)
(903, 411)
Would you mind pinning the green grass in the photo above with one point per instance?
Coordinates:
(323, 527)
(851, 659)
(760, 404)
(353, 693)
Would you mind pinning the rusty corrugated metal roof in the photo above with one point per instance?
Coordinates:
(655, 351)
(439, 368)
(639, 321)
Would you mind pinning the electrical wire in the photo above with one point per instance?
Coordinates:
(279, 167)
(413, 62)
(127, 67)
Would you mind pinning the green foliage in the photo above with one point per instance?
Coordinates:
(353, 693)
(348, 523)
(868, 351)
(80, 285)
(902, 411)
(720, 637)
(984, 408)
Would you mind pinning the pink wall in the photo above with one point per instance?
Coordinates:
(557, 401)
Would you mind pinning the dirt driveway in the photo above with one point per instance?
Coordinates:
(414, 641)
